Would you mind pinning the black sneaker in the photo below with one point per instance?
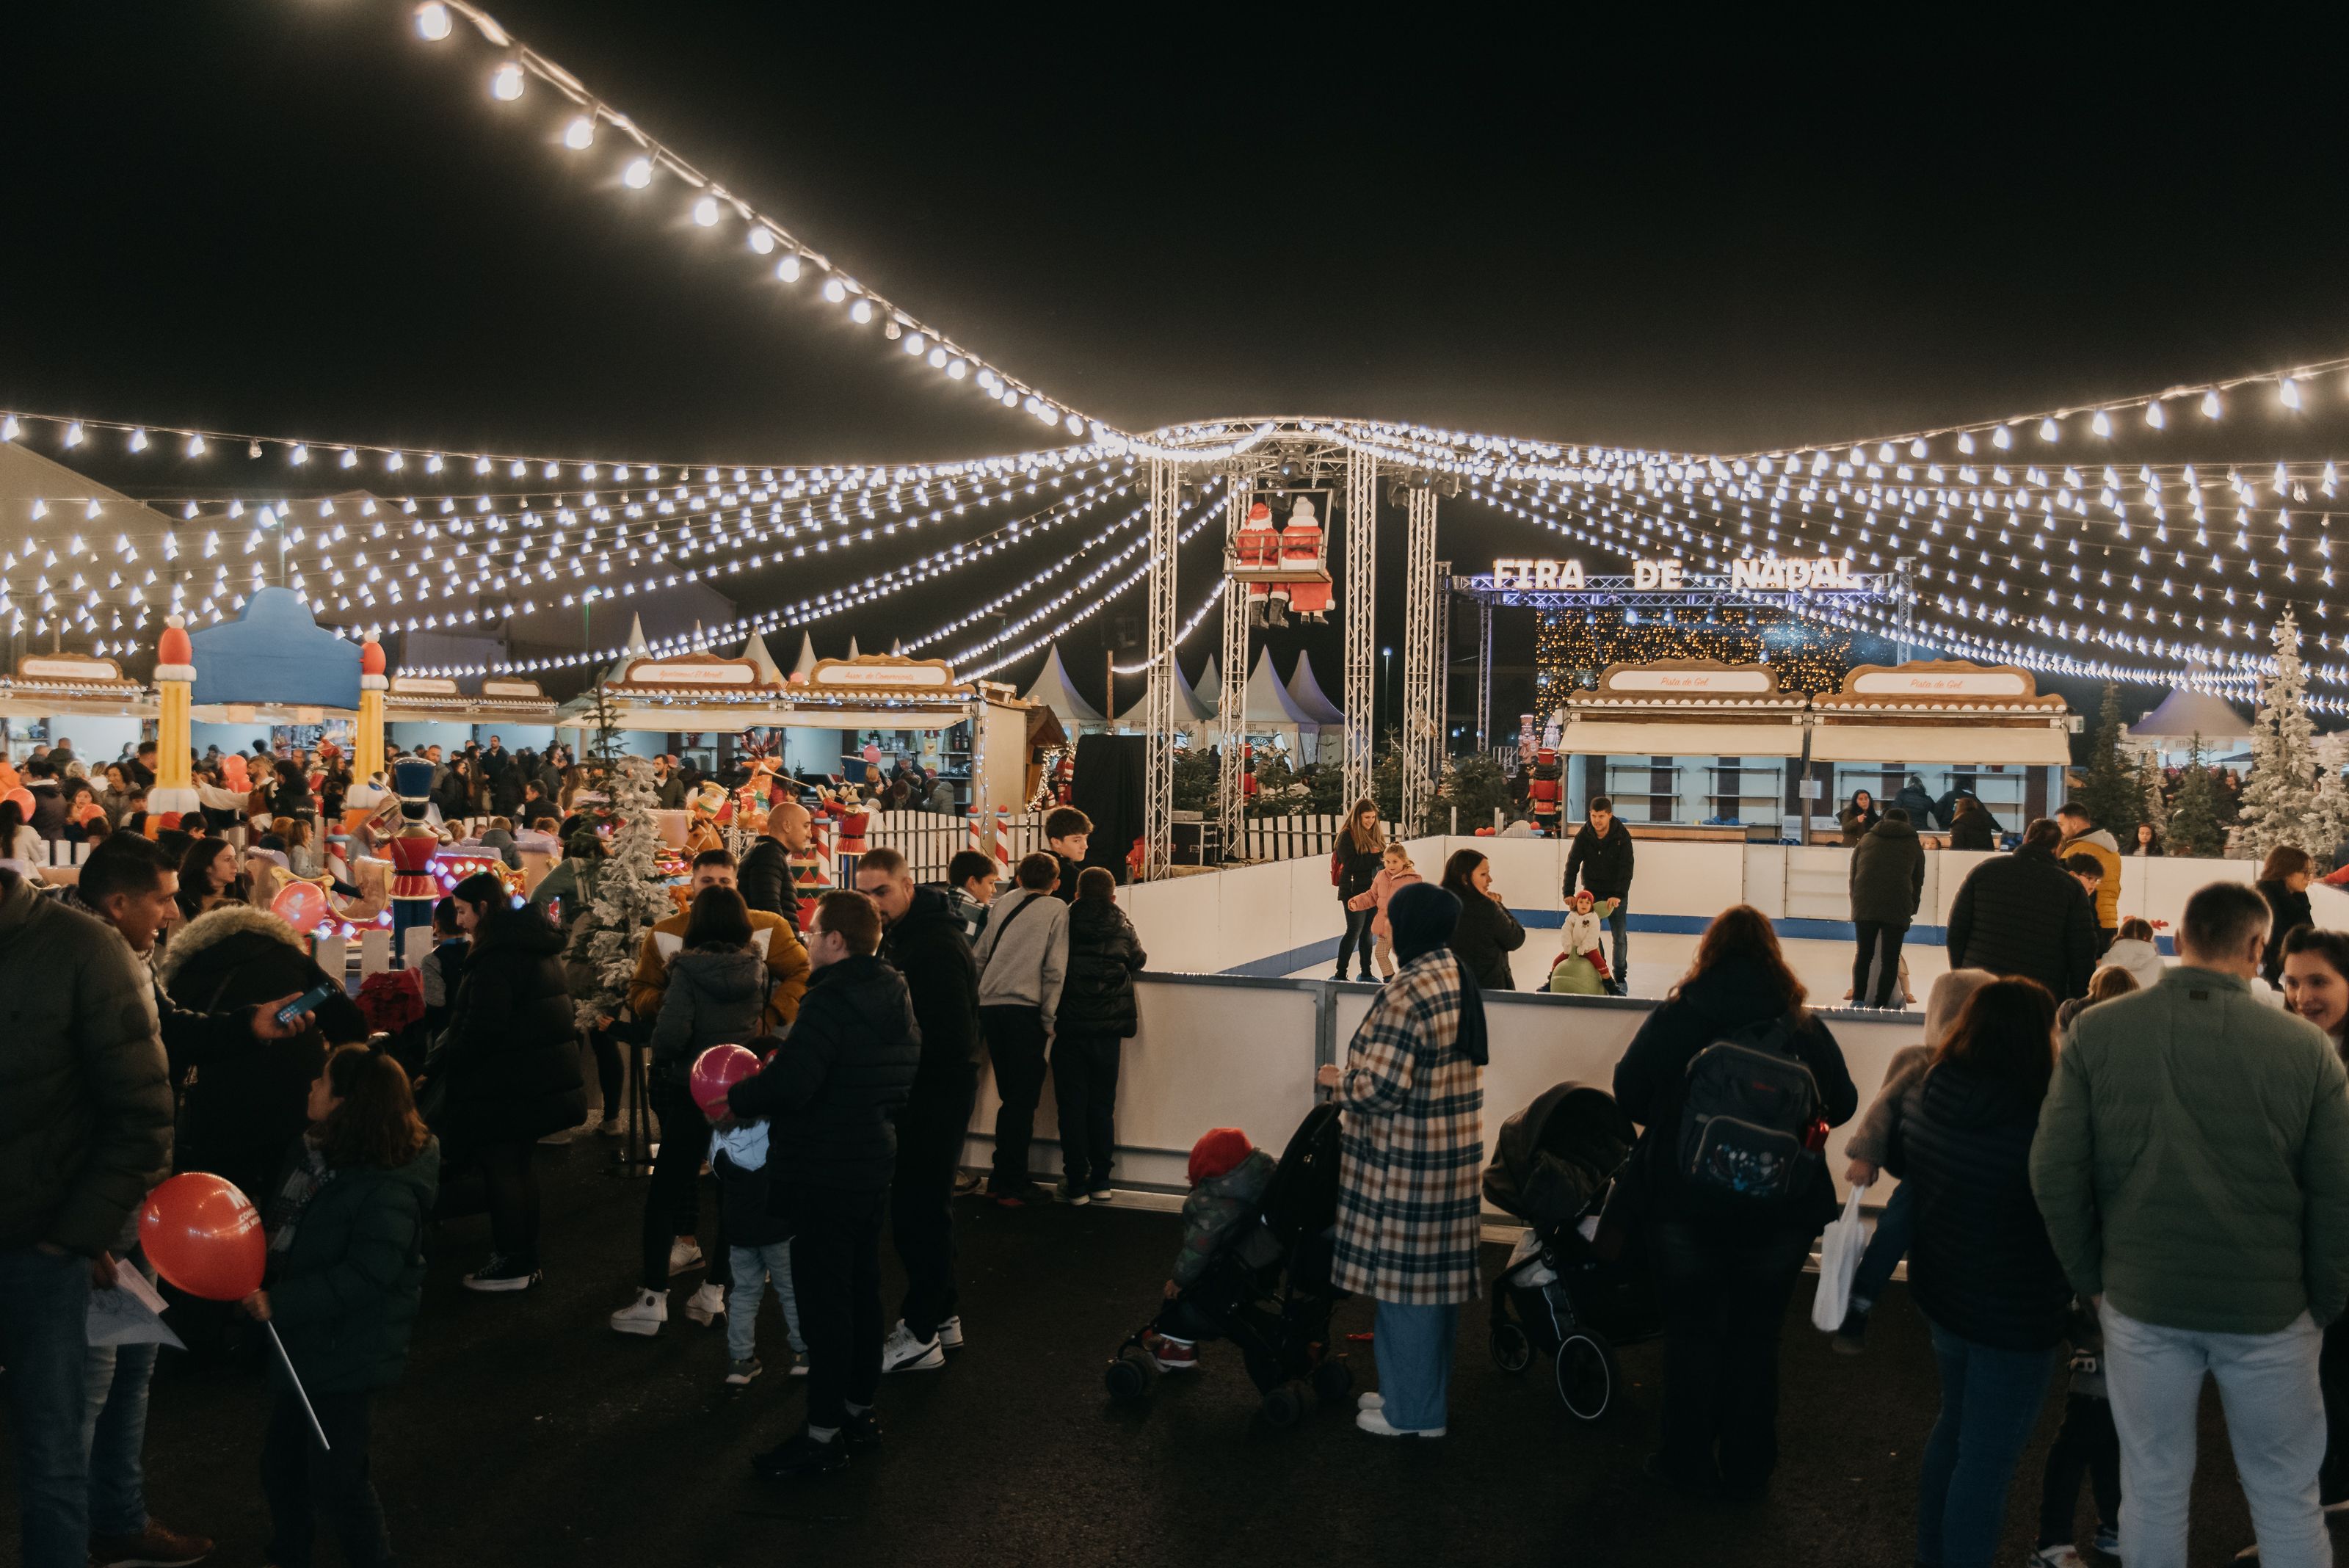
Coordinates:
(502, 1274)
(862, 1430)
(1851, 1339)
(801, 1456)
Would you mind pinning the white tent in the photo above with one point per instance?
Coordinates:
(1270, 711)
(1310, 698)
(1210, 689)
(1055, 690)
(804, 665)
(851, 647)
(636, 649)
(1190, 711)
(2186, 713)
(755, 650)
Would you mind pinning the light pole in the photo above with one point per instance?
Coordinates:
(1386, 686)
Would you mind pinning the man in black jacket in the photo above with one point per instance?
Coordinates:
(1888, 877)
(1601, 855)
(764, 878)
(829, 1094)
(2023, 914)
(925, 944)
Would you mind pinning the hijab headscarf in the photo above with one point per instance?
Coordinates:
(1423, 917)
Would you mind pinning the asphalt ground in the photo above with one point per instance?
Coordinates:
(527, 1432)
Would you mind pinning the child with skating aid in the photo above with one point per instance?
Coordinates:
(2088, 1445)
(760, 1249)
(1581, 966)
(1228, 1178)
(1396, 872)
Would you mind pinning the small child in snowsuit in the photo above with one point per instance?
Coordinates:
(1397, 872)
(1228, 1177)
(1581, 966)
(2088, 1445)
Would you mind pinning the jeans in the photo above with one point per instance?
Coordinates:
(2086, 1446)
(1990, 1401)
(930, 1134)
(1619, 922)
(1885, 1244)
(300, 1479)
(750, 1268)
(1016, 1041)
(673, 1196)
(2276, 1423)
(836, 1273)
(1874, 935)
(609, 1074)
(1356, 939)
(1413, 1345)
(114, 1427)
(1085, 1085)
(1724, 1291)
(44, 1331)
(513, 1200)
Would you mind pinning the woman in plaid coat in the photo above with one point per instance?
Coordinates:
(1412, 1152)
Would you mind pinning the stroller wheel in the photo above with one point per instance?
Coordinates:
(1512, 1350)
(1587, 1375)
(1125, 1378)
(1333, 1380)
(1282, 1407)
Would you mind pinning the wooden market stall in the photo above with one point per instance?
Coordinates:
(1692, 747)
(1953, 725)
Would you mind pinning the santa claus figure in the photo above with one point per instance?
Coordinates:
(414, 890)
(1544, 792)
(1301, 551)
(1256, 545)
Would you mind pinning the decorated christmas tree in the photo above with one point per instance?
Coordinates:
(2194, 827)
(2109, 791)
(2280, 796)
(630, 894)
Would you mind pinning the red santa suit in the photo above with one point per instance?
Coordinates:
(1257, 545)
(1301, 548)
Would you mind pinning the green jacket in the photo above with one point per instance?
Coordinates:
(85, 1098)
(2192, 1160)
(347, 1295)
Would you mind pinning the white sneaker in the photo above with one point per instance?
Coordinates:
(1375, 1423)
(904, 1353)
(644, 1316)
(1369, 1402)
(705, 1305)
(799, 1367)
(684, 1253)
(950, 1334)
(1103, 1194)
(2055, 1557)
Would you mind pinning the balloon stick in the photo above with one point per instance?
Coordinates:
(295, 1379)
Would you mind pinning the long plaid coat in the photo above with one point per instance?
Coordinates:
(1411, 1147)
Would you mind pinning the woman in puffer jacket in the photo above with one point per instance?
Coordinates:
(1980, 1264)
(1088, 1033)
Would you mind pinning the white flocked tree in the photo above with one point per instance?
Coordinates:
(2279, 795)
(630, 895)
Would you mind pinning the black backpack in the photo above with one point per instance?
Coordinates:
(1746, 1114)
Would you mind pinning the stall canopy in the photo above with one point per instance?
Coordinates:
(1684, 708)
(54, 685)
(1055, 690)
(2186, 713)
(1941, 711)
(1310, 698)
(272, 659)
(439, 700)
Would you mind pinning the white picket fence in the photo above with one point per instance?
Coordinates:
(930, 840)
(1294, 837)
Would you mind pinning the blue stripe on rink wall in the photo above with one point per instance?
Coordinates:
(1326, 951)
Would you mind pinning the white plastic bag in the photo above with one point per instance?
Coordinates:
(1840, 1245)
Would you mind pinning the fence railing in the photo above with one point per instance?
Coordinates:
(930, 840)
(1294, 837)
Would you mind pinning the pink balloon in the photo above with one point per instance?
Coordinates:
(203, 1235)
(716, 1070)
(301, 905)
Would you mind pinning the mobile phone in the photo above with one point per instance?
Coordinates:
(305, 1003)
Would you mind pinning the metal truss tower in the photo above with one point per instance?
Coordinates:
(1231, 703)
(1422, 740)
(1361, 610)
(1158, 698)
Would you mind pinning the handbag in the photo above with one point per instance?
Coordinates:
(1840, 1246)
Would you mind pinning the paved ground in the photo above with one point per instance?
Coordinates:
(527, 1433)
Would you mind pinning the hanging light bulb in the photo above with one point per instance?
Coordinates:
(580, 134)
(637, 174)
(834, 290)
(2002, 437)
(2289, 393)
(432, 22)
(2212, 407)
(705, 212)
(762, 239)
(506, 82)
(788, 269)
(2049, 431)
(2101, 425)
(1965, 443)
(195, 445)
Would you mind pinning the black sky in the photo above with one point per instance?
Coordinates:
(292, 215)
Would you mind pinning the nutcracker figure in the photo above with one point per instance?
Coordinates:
(414, 890)
(1544, 792)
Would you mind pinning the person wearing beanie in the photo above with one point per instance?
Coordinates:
(1228, 1178)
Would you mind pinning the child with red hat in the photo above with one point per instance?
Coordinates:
(1228, 1176)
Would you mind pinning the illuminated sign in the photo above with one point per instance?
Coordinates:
(1519, 572)
(1794, 573)
(1756, 574)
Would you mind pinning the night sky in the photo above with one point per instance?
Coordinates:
(292, 216)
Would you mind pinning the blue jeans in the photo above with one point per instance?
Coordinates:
(44, 1335)
(1885, 1244)
(1619, 922)
(114, 1435)
(1413, 1345)
(1990, 1401)
(750, 1268)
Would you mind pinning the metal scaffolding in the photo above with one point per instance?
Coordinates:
(1231, 703)
(1361, 606)
(1443, 665)
(1423, 593)
(1158, 698)
(1483, 675)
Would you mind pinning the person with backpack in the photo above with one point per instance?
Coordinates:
(1735, 1084)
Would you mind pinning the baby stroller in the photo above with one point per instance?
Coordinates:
(1267, 1291)
(1554, 1163)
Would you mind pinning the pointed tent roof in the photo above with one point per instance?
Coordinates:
(804, 665)
(1210, 689)
(2185, 713)
(755, 650)
(1055, 690)
(1188, 707)
(852, 647)
(636, 647)
(1308, 692)
(1269, 701)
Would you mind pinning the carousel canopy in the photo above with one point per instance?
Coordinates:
(1055, 690)
(2186, 713)
(273, 654)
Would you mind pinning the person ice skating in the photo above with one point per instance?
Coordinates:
(1601, 857)
(1355, 865)
(1395, 873)
(1228, 1178)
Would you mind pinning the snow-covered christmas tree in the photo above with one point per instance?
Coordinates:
(2148, 783)
(2329, 815)
(630, 895)
(2281, 793)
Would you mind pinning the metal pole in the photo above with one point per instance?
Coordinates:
(1158, 694)
(1483, 674)
(1422, 745)
(1231, 703)
(1361, 610)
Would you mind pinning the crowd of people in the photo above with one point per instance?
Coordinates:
(2141, 1162)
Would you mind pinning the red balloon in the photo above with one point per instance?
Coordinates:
(716, 1070)
(203, 1236)
(301, 905)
